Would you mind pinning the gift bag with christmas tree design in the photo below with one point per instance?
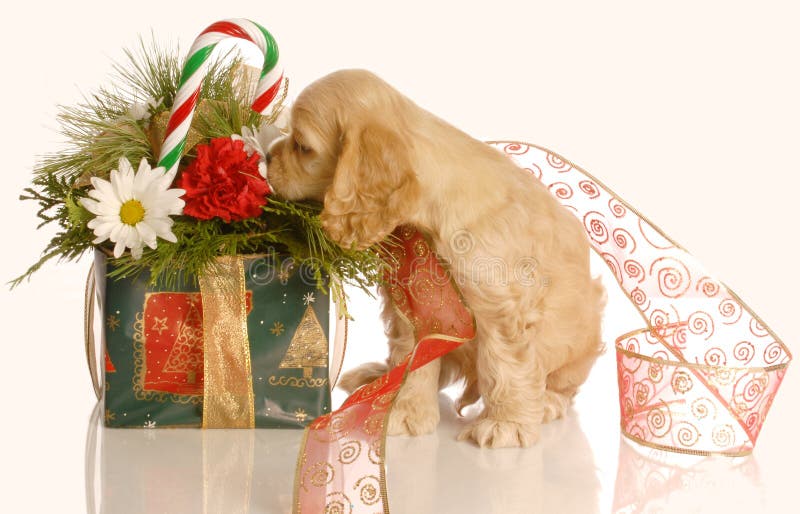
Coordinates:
(247, 347)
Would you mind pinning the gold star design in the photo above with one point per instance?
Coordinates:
(283, 276)
(300, 415)
(110, 416)
(277, 328)
(112, 323)
(160, 325)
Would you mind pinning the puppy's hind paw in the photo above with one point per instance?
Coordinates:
(555, 405)
(493, 433)
(407, 418)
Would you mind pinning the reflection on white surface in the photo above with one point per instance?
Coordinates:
(180, 471)
(655, 481)
(177, 471)
(437, 474)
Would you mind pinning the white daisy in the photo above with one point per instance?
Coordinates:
(133, 209)
(258, 139)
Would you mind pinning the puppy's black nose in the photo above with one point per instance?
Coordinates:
(268, 157)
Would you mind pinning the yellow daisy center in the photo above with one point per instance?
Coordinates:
(131, 212)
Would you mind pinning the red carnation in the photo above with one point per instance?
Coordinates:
(223, 181)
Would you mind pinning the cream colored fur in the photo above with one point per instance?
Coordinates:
(520, 259)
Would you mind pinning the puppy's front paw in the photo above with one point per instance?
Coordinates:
(495, 433)
(410, 418)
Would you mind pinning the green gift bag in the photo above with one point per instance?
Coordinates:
(245, 345)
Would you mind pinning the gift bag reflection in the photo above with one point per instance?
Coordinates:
(175, 471)
(657, 481)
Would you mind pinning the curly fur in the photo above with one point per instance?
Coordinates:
(520, 259)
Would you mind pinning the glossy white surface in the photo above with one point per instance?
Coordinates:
(580, 466)
(687, 109)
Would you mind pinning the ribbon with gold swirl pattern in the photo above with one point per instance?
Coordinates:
(698, 379)
(340, 468)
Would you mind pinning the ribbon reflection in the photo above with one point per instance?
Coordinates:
(651, 480)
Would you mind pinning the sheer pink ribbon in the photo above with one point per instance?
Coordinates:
(698, 379)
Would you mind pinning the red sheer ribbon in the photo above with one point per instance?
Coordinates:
(341, 464)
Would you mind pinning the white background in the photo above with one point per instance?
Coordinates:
(688, 109)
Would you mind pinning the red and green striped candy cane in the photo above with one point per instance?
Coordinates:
(195, 70)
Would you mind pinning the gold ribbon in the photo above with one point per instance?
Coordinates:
(227, 387)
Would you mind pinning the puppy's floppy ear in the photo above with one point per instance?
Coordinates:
(373, 189)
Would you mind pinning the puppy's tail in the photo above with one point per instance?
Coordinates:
(362, 375)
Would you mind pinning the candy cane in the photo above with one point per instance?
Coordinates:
(195, 70)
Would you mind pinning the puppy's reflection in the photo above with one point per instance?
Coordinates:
(436, 473)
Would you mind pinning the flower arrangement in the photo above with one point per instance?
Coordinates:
(217, 203)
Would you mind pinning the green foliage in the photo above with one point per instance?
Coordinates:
(103, 128)
(76, 213)
(291, 228)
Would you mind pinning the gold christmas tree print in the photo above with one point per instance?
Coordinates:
(309, 346)
(186, 355)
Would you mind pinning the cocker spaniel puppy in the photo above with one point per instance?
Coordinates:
(377, 160)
